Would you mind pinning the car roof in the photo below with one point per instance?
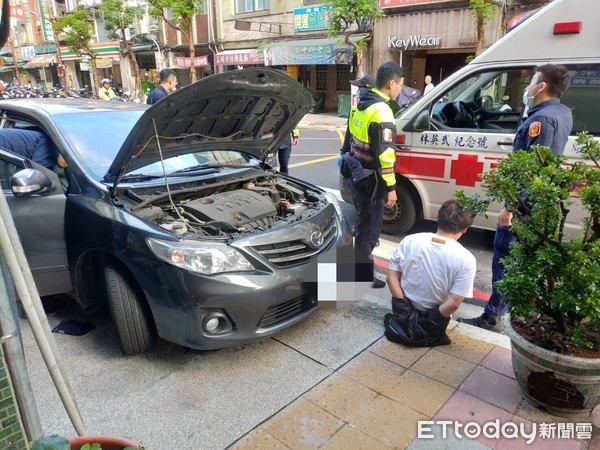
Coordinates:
(53, 106)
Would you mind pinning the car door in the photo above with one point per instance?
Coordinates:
(472, 126)
(40, 222)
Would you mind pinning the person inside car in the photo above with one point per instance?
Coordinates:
(32, 144)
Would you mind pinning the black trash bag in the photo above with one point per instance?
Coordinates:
(415, 328)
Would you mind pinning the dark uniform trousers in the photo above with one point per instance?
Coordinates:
(369, 207)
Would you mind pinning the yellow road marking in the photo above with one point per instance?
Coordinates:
(313, 161)
(341, 136)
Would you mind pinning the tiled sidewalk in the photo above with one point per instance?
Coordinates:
(376, 399)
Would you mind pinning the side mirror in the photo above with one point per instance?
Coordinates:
(421, 122)
(30, 181)
(485, 102)
(4, 22)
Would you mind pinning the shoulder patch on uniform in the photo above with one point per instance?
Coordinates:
(535, 128)
(387, 134)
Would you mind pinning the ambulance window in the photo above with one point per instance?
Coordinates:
(488, 101)
(583, 97)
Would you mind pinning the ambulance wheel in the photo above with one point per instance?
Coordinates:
(400, 218)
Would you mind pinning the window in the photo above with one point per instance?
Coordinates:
(321, 76)
(246, 6)
(343, 78)
(7, 170)
(489, 100)
(583, 97)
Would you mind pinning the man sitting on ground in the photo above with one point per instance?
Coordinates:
(31, 144)
(429, 276)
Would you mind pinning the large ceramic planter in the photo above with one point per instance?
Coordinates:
(566, 386)
(106, 442)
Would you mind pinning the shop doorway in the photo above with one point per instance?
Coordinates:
(442, 66)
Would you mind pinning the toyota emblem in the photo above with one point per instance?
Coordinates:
(316, 238)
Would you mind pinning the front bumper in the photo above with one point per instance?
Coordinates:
(249, 306)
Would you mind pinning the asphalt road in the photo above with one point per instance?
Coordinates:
(173, 398)
(314, 160)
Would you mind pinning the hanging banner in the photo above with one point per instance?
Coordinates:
(241, 58)
(397, 3)
(308, 55)
(47, 30)
(185, 61)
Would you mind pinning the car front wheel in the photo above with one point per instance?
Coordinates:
(131, 314)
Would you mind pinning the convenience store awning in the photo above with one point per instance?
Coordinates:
(309, 51)
(39, 61)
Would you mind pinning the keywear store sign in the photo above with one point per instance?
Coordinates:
(414, 41)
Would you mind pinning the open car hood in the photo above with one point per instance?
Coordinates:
(250, 110)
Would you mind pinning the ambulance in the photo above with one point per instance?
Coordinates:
(467, 123)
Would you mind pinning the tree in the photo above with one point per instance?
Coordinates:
(78, 35)
(118, 17)
(183, 12)
(348, 17)
(482, 11)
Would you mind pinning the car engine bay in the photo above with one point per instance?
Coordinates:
(231, 207)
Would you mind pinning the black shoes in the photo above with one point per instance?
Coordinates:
(484, 321)
(378, 284)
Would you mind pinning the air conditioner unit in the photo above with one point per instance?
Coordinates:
(129, 32)
(171, 60)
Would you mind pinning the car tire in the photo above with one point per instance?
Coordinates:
(402, 217)
(131, 314)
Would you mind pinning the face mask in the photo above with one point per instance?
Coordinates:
(527, 100)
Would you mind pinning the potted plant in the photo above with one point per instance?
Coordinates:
(553, 277)
(88, 442)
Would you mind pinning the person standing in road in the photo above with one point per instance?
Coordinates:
(364, 84)
(106, 92)
(168, 83)
(549, 123)
(285, 150)
(430, 274)
(428, 84)
(369, 157)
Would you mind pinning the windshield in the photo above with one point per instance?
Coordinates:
(97, 137)
(191, 160)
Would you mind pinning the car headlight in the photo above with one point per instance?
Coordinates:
(200, 256)
(336, 204)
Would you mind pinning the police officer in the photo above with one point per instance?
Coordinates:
(549, 123)
(368, 157)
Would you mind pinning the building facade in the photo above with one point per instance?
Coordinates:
(430, 37)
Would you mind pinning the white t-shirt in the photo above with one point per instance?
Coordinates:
(428, 87)
(431, 269)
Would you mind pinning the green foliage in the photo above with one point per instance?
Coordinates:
(345, 13)
(473, 203)
(77, 30)
(482, 10)
(53, 442)
(118, 16)
(95, 446)
(548, 273)
(182, 10)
